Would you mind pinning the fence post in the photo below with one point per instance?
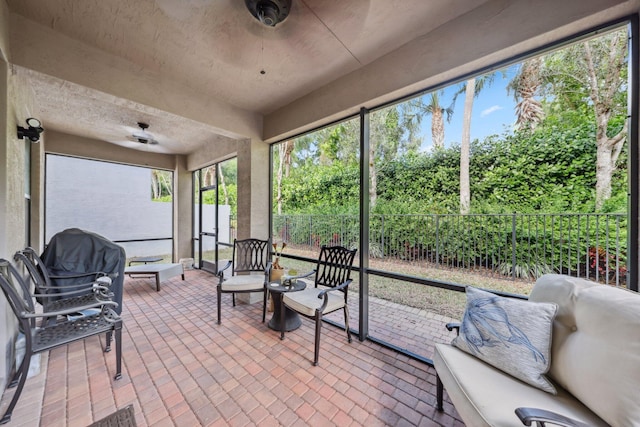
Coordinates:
(382, 248)
(437, 239)
(513, 246)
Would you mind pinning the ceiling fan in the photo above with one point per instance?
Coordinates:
(269, 12)
(142, 136)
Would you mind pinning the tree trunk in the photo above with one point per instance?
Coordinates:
(223, 185)
(437, 128)
(282, 149)
(287, 157)
(465, 191)
(373, 182)
(154, 184)
(603, 97)
(208, 178)
(165, 178)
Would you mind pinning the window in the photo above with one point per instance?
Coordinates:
(492, 180)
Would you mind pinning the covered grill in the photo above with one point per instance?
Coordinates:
(74, 251)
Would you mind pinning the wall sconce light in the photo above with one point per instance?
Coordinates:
(32, 132)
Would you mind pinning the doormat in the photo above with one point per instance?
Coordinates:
(121, 418)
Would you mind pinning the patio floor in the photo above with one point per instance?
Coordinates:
(182, 369)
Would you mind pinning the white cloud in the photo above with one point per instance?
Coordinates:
(490, 110)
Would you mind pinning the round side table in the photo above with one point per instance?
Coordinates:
(291, 318)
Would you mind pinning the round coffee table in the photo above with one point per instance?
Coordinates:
(291, 318)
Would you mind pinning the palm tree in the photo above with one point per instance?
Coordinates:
(471, 88)
(284, 152)
(437, 112)
(465, 141)
(525, 85)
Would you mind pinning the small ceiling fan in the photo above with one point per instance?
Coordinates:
(269, 12)
(142, 136)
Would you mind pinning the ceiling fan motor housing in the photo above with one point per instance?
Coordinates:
(269, 12)
(143, 136)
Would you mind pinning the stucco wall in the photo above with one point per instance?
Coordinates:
(73, 145)
(16, 104)
(80, 63)
(5, 326)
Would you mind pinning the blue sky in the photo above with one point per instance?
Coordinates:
(493, 111)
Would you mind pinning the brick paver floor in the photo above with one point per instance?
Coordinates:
(182, 369)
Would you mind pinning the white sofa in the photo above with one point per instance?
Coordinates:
(595, 364)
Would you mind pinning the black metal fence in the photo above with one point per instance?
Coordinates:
(592, 246)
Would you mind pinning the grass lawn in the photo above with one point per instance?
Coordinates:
(442, 301)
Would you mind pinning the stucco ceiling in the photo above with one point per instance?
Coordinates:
(213, 48)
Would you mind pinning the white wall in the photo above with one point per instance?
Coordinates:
(114, 201)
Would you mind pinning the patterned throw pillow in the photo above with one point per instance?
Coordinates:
(510, 334)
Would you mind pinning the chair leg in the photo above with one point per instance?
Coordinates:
(24, 369)
(316, 349)
(219, 291)
(234, 299)
(118, 330)
(282, 319)
(264, 305)
(346, 322)
(439, 393)
(16, 377)
(107, 347)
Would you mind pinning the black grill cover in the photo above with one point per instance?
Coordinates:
(79, 251)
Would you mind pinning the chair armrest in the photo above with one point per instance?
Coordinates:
(324, 292)
(70, 294)
(78, 275)
(267, 273)
(300, 276)
(453, 325)
(78, 287)
(97, 304)
(102, 281)
(220, 272)
(541, 416)
(97, 289)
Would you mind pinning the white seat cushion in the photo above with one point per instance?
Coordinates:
(307, 302)
(246, 282)
(485, 396)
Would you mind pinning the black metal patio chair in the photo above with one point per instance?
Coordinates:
(40, 339)
(329, 293)
(62, 297)
(250, 268)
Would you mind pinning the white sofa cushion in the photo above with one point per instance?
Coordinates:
(485, 396)
(510, 334)
(596, 348)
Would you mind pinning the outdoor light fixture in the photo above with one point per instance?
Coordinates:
(32, 132)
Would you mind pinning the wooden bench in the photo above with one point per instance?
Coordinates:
(160, 271)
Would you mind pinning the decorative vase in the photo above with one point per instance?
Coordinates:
(276, 274)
